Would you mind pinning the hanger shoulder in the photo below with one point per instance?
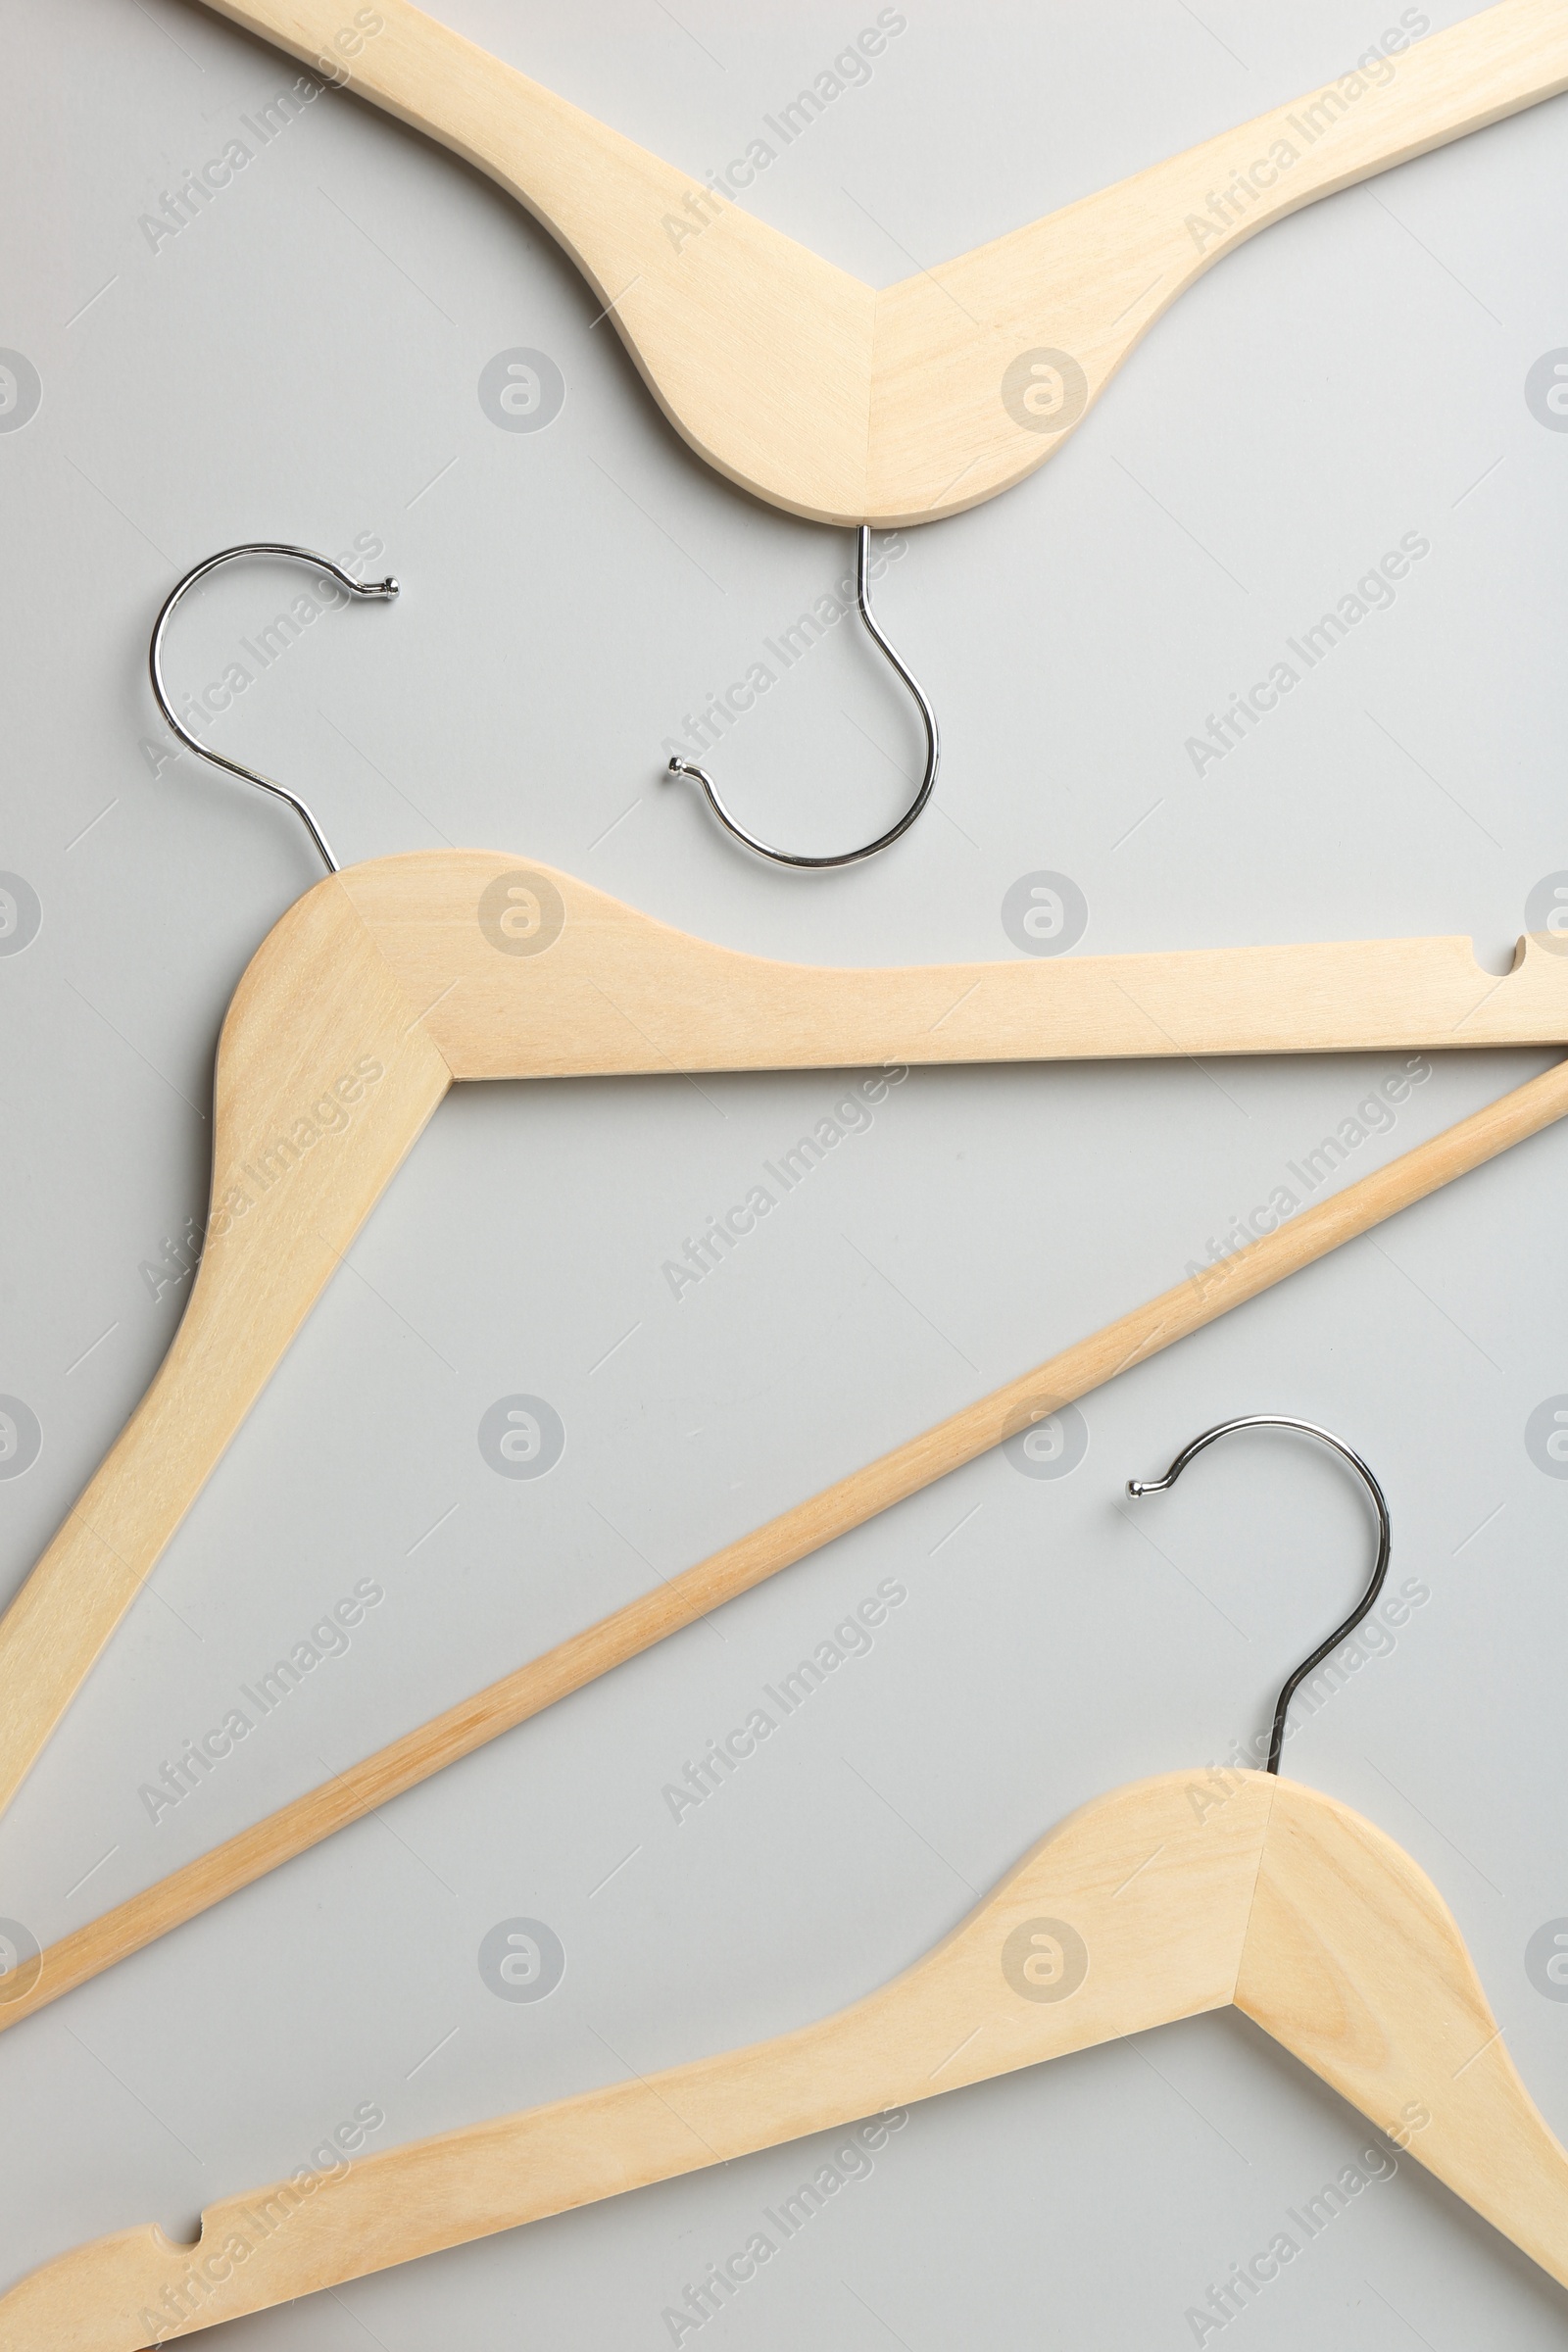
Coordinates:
(322, 1084)
(758, 351)
(1353, 1962)
(1057, 1958)
(894, 407)
(586, 986)
(1090, 280)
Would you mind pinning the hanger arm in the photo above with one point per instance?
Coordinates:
(892, 408)
(1091, 278)
(1153, 1903)
(314, 1014)
(616, 993)
(681, 1599)
(1136, 1872)
(463, 965)
(1354, 1964)
(678, 268)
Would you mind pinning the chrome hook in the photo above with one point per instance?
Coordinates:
(933, 744)
(230, 555)
(1380, 1568)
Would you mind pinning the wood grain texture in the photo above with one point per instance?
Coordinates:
(616, 991)
(739, 1566)
(466, 964)
(1353, 1962)
(1153, 1903)
(700, 307)
(1136, 1874)
(1091, 279)
(810, 390)
(316, 1012)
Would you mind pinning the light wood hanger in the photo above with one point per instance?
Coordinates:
(452, 965)
(390, 981)
(892, 408)
(1167, 1899)
(1131, 1339)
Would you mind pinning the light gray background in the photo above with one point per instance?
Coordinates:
(301, 363)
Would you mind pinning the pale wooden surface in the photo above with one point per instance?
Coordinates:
(621, 992)
(1188, 1905)
(890, 407)
(390, 962)
(1278, 1899)
(315, 1002)
(679, 1601)
(1354, 1964)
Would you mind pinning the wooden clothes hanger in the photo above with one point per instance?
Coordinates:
(376, 941)
(902, 406)
(1167, 1899)
(679, 1601)
(390, 981)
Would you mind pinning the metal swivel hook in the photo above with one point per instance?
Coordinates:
(231, 555)
(933, 744)
(1380, 1567)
